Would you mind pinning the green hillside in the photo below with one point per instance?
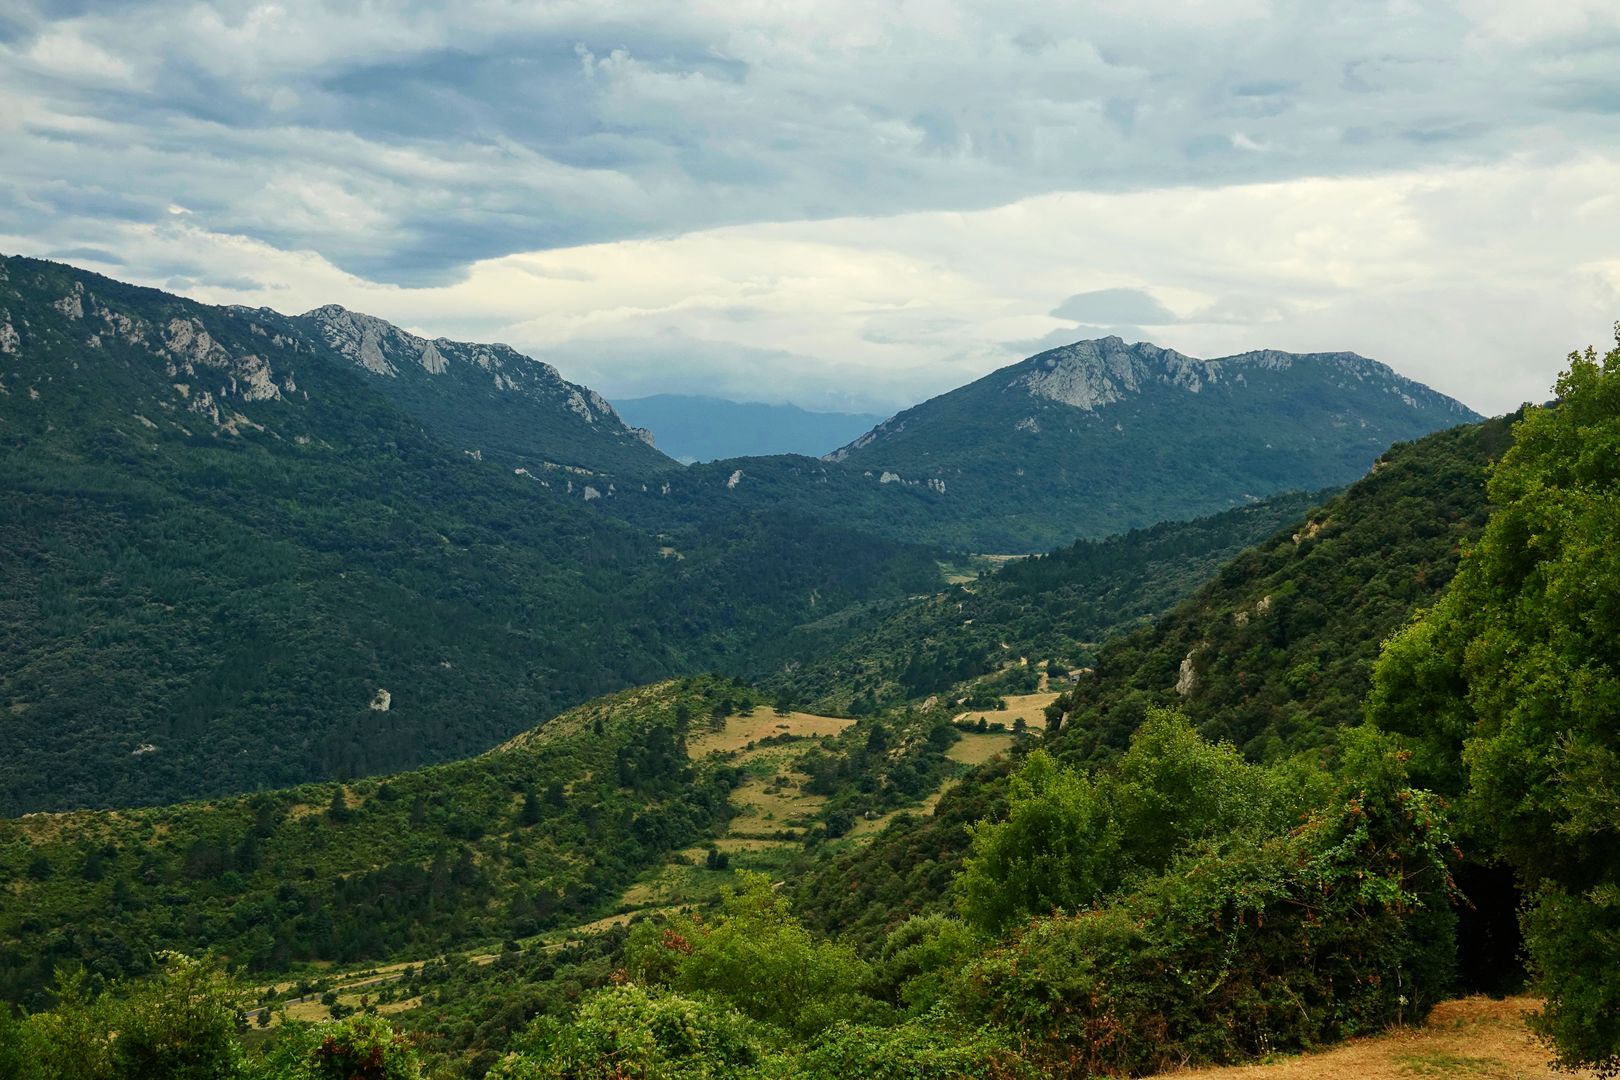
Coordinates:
(547, 828)
(1278, 680)
(1275, 653)
(1058, 608)
(230, 563)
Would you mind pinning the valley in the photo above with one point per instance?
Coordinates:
(393, 689)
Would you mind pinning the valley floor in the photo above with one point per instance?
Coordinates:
(1474, 1038)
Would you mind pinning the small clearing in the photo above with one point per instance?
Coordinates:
(1472, 1038)
(1031, 708)
(974, 748)
(739, 731)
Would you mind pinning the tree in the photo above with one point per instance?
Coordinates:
(362, 1048)
(530, 814)
(1510, 687)
(180, 1025)
(757, 957)
(338, 810)
(631, 1033)
(1053, 851)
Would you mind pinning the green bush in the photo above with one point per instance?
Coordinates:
(1339, 927)
(757, 957)
(930, 1048)
(631, 1033)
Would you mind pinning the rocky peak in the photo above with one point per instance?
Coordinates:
(1091, 374)
(373, 343)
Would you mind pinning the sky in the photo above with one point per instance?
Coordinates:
(846, 204)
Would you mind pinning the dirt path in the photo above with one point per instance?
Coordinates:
(1469, 1039)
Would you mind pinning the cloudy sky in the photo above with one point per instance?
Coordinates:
(846, 204)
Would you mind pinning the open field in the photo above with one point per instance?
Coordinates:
(764, 723)
(865, 828)
(975, 749)
(1031, 708)
(1469, 1039)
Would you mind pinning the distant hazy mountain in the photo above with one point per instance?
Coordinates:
(691, 427)
(1100, 436)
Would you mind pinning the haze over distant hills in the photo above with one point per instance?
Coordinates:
(694, 427)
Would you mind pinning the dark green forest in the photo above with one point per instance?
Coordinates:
(191, 610)
(1058, 607)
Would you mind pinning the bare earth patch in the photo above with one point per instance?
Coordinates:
(764, 723)
(1472, 1038)
(1031, 708)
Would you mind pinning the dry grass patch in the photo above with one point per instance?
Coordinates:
(1469, 1039)
(976, 749)
(764, 807)
(865, 828)
(763, 724)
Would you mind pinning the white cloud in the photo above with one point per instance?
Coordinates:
(1476, 281)
(433, 136)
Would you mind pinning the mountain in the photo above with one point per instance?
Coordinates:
(489, 399)
(1099, 437)
(236, 552)
(692, 427)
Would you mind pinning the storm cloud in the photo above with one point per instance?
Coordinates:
(388, 151)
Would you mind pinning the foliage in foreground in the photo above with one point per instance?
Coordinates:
(183, 1025)
(1262, 911)
(1245, 944)
(1511, 687)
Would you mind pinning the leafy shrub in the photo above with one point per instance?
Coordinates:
(931, 1048)
(757, 957)
(1339, 927)
(631, 1033)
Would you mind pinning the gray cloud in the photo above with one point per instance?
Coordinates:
(403, 148)
(1107, 307)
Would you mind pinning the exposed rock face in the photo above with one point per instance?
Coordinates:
(1091, 374)
(385, 350)
(1186, 677)
(72, 305)
(433, 361)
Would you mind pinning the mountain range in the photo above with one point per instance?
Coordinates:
(244, 548)
(364, 669)
(241, 549)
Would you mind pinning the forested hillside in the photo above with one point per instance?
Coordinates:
(1057, 608)
(505, 844)
(231, 563)
(1275, 653)
(1285, 673)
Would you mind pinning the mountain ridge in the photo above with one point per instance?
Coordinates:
(1100, 437)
